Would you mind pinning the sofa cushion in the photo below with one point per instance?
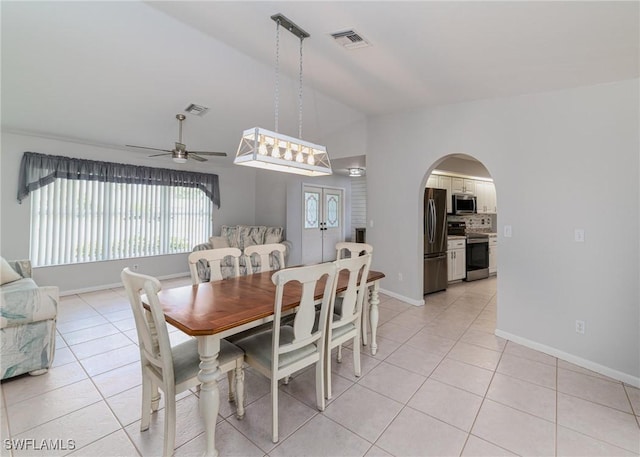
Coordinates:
(231, 234)
(24, 302)
(249, 235)
(219, 242)
(7, 274)
(273, 235)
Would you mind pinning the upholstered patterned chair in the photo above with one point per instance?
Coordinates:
(27, 321)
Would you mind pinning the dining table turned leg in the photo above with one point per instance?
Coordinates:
(373, 316)
(208, 348)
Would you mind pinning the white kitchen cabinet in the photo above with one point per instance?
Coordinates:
(463, 186)
(456, 262)
(445, 183)
(493, 255)
(433, 181)
(486, 193)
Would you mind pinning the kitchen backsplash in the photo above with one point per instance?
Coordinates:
(477, 222)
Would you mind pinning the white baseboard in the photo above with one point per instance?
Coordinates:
(584, 363)
(402, 298)
(115, 285)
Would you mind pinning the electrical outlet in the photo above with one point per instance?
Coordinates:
(580, 327)
(371, 223)
(578, 235)
(507, 231)
(400, 277)
(135, 267)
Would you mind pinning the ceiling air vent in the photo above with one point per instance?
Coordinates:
(350, 39)
(196, 110)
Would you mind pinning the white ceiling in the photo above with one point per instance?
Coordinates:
(116, 73)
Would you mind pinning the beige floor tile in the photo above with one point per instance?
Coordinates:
(407, 321)
(188, 426)
(523, 396)
(303, 387)
(573, 367)
(528, 370)
(35, 411)
(484, 339)
(634, 397)
(393, 382)
(413, 433)
(475, 355)
(597, 390)
(574, 444)
(63, 356)
(395, 332)
(229, 442)
(375, 451)
(454, 406)
(88, 334)
(518, 350)
(100, 345)
(446, 329)
(322, 436)
(518, 432)
(74, 427)
(75, 310)
(116, 444)
(599, 422)
(464, 376)
(427, 341)
(256, 424)
(118, 379)
(364, 412)
(108, 361)
(477, 447)
(385, 347)
(120, 314)
(345, 369)
(25, 387)
(72, 325)
(415, 360)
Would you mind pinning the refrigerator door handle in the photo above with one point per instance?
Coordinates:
(434, 221)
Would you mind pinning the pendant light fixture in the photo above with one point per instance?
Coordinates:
(271, 150)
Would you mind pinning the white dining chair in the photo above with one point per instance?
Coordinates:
(355, 250)
(213, 258)
(346, 325)
(278, 354)
(172, 369)
(263, 253)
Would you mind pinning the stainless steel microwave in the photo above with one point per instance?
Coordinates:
(464, 204)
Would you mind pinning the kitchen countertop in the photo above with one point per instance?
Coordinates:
(456, 237)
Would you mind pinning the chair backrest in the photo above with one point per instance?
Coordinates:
(153, 336)
(355, 249)
(214, 258)
(263, 252)
(353, 297)
(306, 279)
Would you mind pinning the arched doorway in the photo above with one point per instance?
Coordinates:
(466, 309)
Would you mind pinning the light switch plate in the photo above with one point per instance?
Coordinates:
(578, 235)
(507, 231)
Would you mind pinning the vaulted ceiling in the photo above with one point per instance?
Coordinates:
(116, 73)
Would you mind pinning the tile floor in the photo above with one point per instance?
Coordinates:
(441, 384)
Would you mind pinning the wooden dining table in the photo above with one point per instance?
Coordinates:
(211, 311)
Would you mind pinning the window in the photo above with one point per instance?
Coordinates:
(86, 211)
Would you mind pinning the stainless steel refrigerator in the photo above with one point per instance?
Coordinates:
(435, 240)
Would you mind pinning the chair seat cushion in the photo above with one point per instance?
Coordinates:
(259, 347)
(186, 360)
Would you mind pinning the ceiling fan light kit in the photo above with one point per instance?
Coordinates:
(270, 150)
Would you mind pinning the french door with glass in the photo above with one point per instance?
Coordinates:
(323, 223)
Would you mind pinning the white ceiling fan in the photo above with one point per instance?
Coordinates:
(179, 154)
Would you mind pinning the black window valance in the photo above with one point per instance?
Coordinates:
(38, 170)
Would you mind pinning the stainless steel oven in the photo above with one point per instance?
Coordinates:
(477, 256)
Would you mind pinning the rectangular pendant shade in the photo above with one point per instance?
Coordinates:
(261, 148)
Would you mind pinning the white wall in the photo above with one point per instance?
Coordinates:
(237, 190)
(560, 161)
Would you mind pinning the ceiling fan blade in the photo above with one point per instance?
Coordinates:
(144, 147)
(158, 155)
(198, 158)
(209, 153)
